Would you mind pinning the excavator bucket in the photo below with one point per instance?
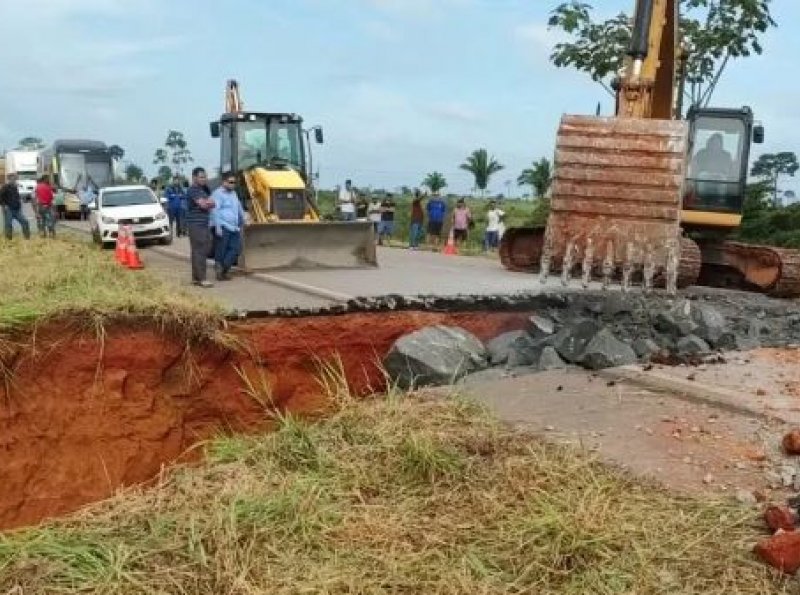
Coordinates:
(308, 245)
(617, 194)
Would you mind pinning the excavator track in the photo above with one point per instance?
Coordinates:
(773, 271)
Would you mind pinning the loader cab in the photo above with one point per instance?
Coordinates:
(273, 141)
(719, 158)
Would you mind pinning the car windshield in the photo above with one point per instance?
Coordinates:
(128, 198)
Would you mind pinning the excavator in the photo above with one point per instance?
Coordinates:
(270, 155)
(649, 194)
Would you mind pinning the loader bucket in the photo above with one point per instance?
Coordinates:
(617, 192)
(308, 245)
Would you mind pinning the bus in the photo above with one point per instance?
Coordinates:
(71, 165)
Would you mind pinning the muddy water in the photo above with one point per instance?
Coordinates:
(80, 418)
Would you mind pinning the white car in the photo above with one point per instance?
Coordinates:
(136, 206)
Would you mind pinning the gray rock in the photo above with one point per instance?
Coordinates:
(675, 325)
(606, 351)
(434, 355)
(540, 326)
(644, 348)
(550, 360)
(692, 345)
(503, 345)
(571, 340)
(711, 325)
(731, 341)
(619, 304)
(745, 497)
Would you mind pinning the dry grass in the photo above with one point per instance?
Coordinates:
(43, 280)
(398, 496)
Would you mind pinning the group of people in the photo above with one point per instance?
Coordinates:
(48, 205)
(177, 205)
(353, 206)
(213, 221)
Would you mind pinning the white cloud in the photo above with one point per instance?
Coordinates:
(455, 111)
(537, 37)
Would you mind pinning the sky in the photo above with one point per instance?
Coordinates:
(401, 87)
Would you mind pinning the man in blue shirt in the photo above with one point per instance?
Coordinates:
(87, 197)
(228, 220)
(437, 209)
(199, 206)
(174, 194)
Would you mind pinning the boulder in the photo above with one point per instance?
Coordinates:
(791, 442)
(644, 348)
(550, 360)
(780, 516)
(692, 345)
(711, 325)
(573, 338)
(606, 351)
(503, 345)
(434, 355)
(731, 341)
(541, 326)
(781, 551)
(674, 324)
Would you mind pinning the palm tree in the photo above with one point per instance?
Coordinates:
(435, 181)
(539, 177)
(116, 152)
(482, 167)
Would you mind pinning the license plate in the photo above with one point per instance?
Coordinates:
(139, 228)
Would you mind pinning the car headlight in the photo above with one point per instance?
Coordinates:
(107, 219)
(161, 215)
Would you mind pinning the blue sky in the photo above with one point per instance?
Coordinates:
(402, 87)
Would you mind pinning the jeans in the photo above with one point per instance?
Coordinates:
(46, 221)
(199, 241)
(10, 215)
(348, 216)
(491, 240)
(228, 247)
(415, 235)
(176, 221)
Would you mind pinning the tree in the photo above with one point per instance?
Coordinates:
(539, 177)
(715, 31)
(771, 166)
(175, 152)
(30, 143)
(164, 174)
(482, 167)
(116, 152)
(435, 181)
(133, 173)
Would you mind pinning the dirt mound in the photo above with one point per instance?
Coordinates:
(81, 416)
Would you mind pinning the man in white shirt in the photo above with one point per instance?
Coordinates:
(494, 222)
(347, 202)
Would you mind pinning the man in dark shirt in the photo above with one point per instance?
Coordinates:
(199, 206)
(387, 220)
(12, 208)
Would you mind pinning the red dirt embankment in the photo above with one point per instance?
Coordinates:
(80, 418)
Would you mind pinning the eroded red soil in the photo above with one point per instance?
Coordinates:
(80, 418)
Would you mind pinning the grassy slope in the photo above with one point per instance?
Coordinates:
(394, 495)
(44, 279)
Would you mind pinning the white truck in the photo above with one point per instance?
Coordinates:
(22, 163)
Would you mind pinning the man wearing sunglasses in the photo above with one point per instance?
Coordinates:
(228, 221)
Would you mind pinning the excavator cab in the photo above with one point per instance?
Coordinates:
(717, 166)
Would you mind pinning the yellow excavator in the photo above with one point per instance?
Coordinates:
(270, 154)
(648, 194)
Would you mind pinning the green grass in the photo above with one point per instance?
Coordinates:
(45, 279)
(392, 496)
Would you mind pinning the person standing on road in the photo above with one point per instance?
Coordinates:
(199, 206)
(461, 222)
(12, 208)
(417, 221)
(494, 219)
(174, 196)
(347, 205)
(437, 209)
(374, 214)
(387, 220)
(87, 198)
(228, 218)
(60, 202)
(44, 206)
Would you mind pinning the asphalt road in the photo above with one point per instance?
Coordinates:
(400, 272)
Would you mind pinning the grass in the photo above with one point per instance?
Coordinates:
(46, 279)
(392, 496)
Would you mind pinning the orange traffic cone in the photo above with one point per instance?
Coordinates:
(121, 250)
(450, 248)
(132, 261)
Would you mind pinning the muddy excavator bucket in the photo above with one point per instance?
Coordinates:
(305, 245)
(616, 200)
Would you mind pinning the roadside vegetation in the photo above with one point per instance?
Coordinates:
(392, 495)
(46, 279)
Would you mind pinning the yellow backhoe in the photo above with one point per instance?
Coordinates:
(270, 155)
(648, 195)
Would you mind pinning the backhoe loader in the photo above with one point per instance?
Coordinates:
(648, 195)
(270, 154)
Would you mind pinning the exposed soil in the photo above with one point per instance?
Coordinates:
(81, 417)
